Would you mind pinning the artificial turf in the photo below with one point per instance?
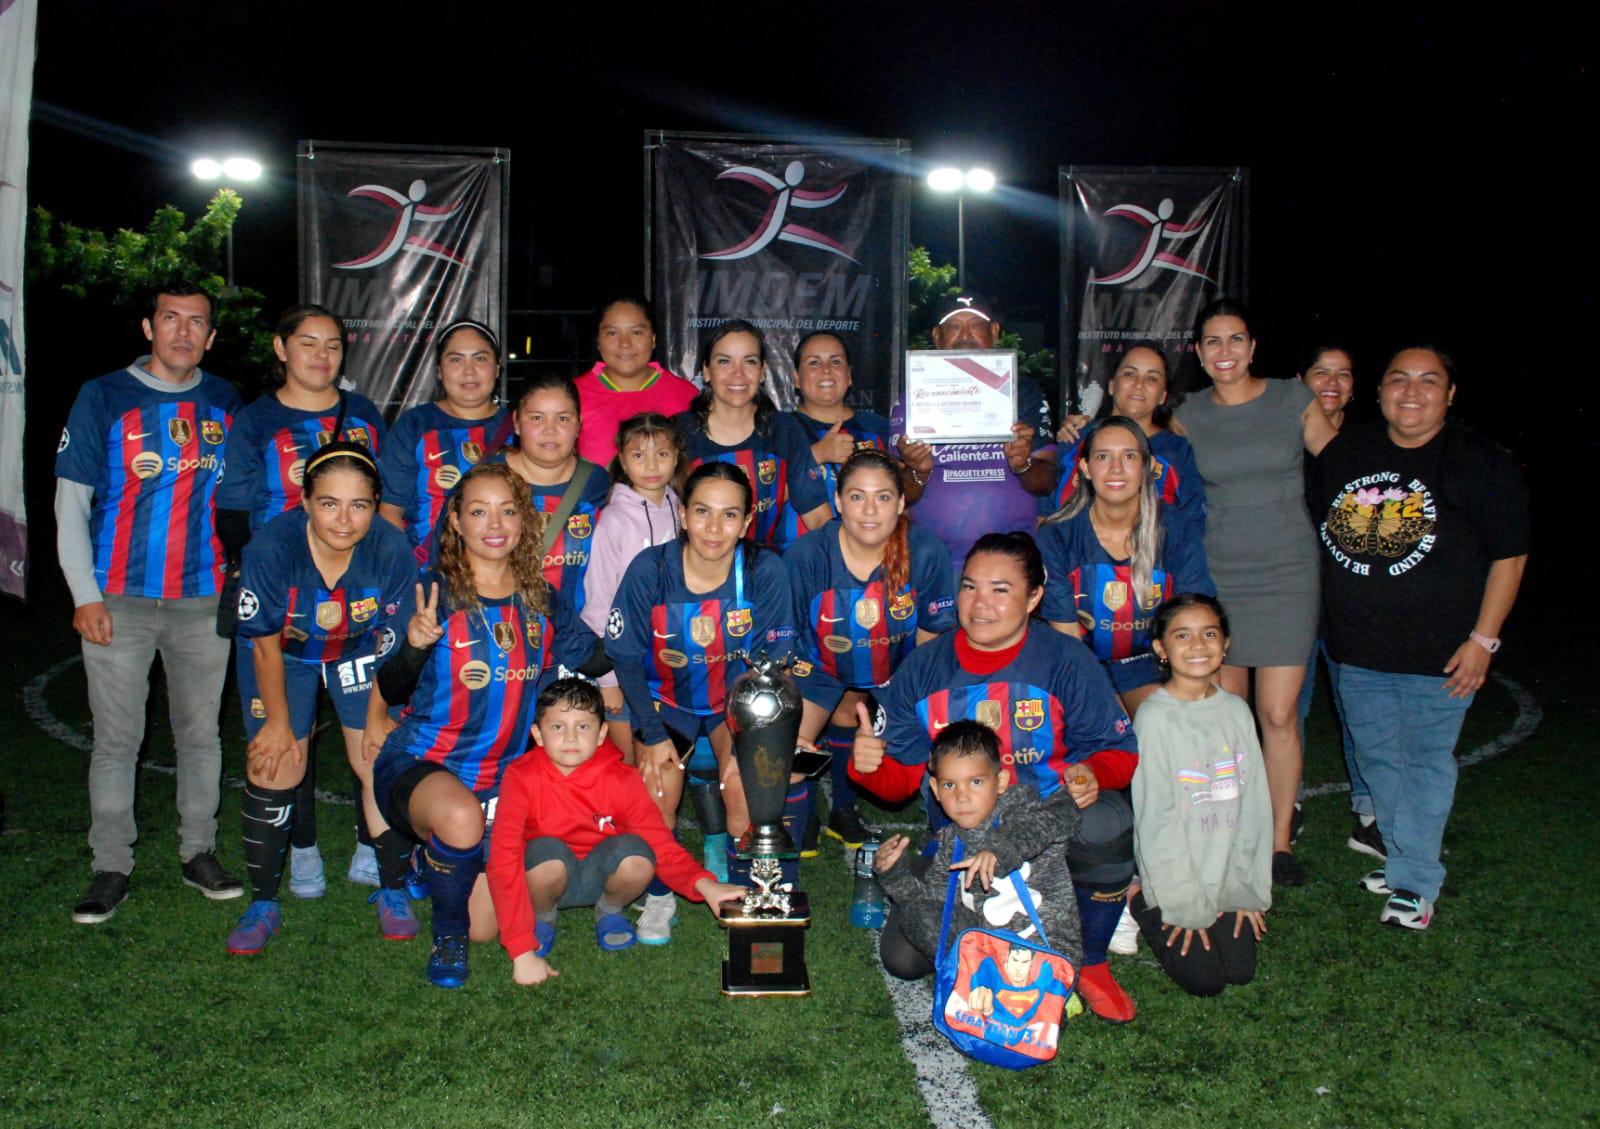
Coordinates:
(1490, 1016)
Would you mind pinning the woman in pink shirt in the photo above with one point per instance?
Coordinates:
(625, 381)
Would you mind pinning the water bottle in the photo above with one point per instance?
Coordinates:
(867, 909)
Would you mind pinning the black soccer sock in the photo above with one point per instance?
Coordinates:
(451, 873)
(305, 807)
(394, 858)
(265, 818)
(709, 812)
(1099, 909)
(363, 832)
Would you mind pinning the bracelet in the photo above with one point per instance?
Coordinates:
(1026, 467)
(1488, 644)
(915, 477)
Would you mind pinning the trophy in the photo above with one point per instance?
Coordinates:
(766, 931)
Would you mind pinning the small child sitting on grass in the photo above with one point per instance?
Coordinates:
(1002, 829)
(576, 827)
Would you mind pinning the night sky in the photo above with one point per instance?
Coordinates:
(1413, 175)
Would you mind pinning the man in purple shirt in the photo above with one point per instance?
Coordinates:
(978, 488)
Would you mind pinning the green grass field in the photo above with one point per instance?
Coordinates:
(1489, 1018)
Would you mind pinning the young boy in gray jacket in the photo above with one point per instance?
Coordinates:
(1002, 829)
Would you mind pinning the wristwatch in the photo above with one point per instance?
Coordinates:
(1488, 644)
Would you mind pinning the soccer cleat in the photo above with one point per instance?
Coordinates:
(845, 825)
(364, 866)
(1125, 938)
(1297, 821)
(1367, 839)
(1104, 995)
(1408, 910)
(205, 874)
(255, 928)
(808, 843)
(659, 916)
(447, 963)
(1376, 882)
(1287, 870)
(417, 876)
(396, 919)
(107, 890)
(306, 877)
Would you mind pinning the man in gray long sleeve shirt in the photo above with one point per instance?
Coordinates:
(136, 470)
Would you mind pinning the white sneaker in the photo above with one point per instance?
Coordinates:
(1125, 940)
(364, 867)
(1376, 882)
(659, 916)
(1407, 910)
(306, 878)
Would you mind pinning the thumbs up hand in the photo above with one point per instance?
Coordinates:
(867, 752)
(835, 446)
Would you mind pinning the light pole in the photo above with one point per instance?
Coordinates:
(950, 179)
(239, 170)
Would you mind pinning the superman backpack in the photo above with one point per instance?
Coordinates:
(1000, 997)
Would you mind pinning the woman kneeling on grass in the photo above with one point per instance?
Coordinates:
(1202, 814)
(482, 633)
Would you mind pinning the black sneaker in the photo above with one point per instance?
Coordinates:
(1297, 820)
(107, 891)
(845, 825)
(1287, 870)
(1367, 839)
(205, 874)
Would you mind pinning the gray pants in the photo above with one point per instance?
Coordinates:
(196, 663)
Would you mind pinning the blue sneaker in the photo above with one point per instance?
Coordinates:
(447, 964)
(255, 928)
(417, 877)
(364, 867)
(306, 878)
(396, 920)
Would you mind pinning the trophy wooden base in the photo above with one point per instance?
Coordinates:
(766, 954)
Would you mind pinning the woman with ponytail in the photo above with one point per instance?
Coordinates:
(1114, 553)
(869, 586)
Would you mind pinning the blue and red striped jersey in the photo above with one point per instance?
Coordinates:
(269, 444)
(682, 648)
(1051, 706)
(785, 478)
(473, 705)
(1171, 461)
(851, 633)
(281, 592)
(1086, 585)
(154, 459)
(566, 557)
(870, 431)
(425, 455)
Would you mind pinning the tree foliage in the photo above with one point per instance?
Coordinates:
(82, 278)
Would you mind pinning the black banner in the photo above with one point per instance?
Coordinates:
(1142, 250)
(794, 236)
(399, 241)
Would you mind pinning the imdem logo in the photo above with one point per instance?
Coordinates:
(1149, 255)
(784, 194)
(408, 210)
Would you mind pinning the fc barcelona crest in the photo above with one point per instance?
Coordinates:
(868, 613)
(767, 471)
(1114, 595)
(330, 614)
(471, 452)
(579, 525)
(505, 636)
(363, 610)
(211, 431)
(181, 430)
(739, 622)
(703, 629)
(1152, 597)
(358, 435)
(1029, 713)
(534, 629)
(988, 713)
(902, 606)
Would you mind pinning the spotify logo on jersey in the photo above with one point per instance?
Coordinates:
(475, 675)
(146, 464)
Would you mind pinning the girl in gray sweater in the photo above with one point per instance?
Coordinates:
(1202, 815)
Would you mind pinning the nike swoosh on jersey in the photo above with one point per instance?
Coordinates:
(463, 643)
(659, 635)
(132, 435)
(290, 450)
(433, 456)
(831, 618)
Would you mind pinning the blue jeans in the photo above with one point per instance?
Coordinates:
(1360, 794)
(1405, 728)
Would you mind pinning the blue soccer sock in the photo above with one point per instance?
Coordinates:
(838, 740)
(451, 873)
(1099, 909)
